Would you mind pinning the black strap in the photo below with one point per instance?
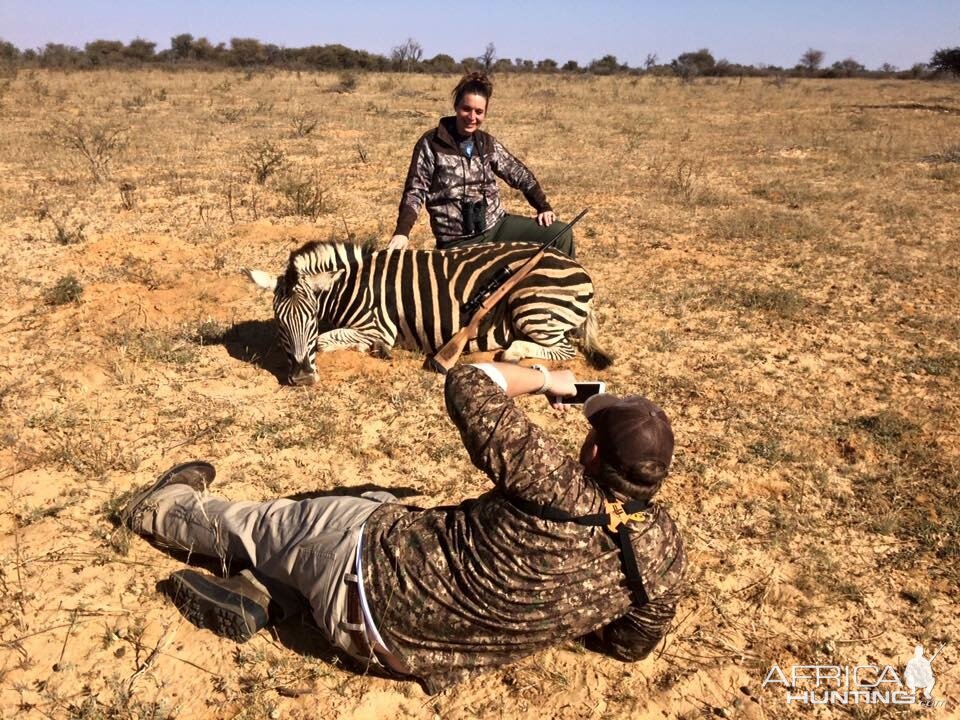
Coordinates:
(628, 558)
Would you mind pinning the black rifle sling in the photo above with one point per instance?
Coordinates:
(628, 558)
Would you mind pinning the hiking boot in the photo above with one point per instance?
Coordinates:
(233, 607)
(196, 473)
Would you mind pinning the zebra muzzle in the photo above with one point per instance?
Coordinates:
(303, 374)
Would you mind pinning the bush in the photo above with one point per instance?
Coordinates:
(96, 142)
(262, 159)
(689, 65)
(304, 195)
(304, 123)
(66, 290)
(946, 60)
(347, 82)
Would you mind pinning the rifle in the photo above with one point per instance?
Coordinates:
(484, 301)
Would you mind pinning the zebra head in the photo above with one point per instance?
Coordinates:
(296, 307)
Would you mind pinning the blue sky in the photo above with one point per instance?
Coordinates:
(749, 31)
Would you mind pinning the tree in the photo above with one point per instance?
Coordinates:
(946, 60)
(848, 67)
(407, 55)
(689, 65)
(607, 65)
(246, 52)
(203, 49)
(571, 66)
(547, 65)
(103, 52)
(181, 46)
(8, 51)
(650, 62)
(888, 68)
(56, 55)
(441, 63)
(811, 60)
(140, 49)
(489, 57)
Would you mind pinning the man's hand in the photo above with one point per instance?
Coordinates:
(546, 218)
(398, 242)
(561, 384)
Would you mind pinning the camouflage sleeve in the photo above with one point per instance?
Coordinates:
(518, 176)
(517, 455)
(416, 187)
(633, 636)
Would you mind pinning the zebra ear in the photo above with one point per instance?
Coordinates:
(261, 279)
(322, 281)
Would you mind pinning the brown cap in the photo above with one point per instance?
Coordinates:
(634, 437)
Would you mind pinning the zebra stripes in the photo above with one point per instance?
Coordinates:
(337, 295)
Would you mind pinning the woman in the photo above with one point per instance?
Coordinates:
(452, 173)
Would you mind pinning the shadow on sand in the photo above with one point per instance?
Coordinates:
(254, 342)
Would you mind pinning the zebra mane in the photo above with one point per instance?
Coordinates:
(324, 256)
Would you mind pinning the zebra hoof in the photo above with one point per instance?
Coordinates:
(380, 350)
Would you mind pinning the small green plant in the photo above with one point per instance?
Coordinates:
(209, 332)
(779, 301)
(171, 346)
(66, 290)
(263, 159)
(303, 194)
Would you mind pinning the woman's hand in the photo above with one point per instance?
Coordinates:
(546, 218)
(398, 242)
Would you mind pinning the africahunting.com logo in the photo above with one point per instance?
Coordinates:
(859, 684)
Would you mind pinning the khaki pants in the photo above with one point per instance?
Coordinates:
(309, 545)
(513, 228)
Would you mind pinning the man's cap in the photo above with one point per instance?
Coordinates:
(634, 437)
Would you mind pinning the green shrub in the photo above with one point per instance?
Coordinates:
(66, 290)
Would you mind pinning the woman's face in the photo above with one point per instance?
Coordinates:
(470, 113)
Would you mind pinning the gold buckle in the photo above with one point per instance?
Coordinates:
(619, 516)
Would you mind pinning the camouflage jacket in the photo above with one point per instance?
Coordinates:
(459, 589)
(441, 176)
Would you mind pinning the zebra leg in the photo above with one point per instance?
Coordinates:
(520, 349)
(348, 339)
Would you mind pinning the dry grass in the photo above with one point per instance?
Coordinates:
(776, 265)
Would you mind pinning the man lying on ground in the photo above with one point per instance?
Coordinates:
(559, 548)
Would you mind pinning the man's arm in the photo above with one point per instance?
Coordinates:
(516, 454)
(517, 380)
(633, 636)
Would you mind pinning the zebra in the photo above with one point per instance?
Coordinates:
(336, 295)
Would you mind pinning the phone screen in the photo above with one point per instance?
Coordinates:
(585, 390)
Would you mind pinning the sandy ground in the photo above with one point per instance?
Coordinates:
(776, 265)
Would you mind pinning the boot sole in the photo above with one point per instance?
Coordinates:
(207, 605)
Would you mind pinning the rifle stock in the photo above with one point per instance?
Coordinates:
(446, 357)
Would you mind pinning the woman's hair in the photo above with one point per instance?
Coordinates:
(473, 83)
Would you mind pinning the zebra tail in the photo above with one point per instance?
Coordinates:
(585, 339)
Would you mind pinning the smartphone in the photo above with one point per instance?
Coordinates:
(585, 391)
